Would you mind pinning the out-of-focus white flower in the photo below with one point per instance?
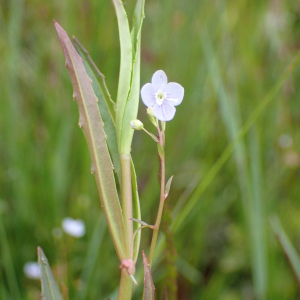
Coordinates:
(162, 96)
(73, 227)
(285, 141)
(32, 270)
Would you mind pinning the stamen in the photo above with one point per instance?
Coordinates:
(160, 97)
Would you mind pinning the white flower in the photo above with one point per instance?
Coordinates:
(32, 270)
(162, 96)
(73, 227)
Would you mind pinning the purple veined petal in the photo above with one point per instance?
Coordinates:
(164, 112)
(148, 94)
(174, 93)
(159, 79)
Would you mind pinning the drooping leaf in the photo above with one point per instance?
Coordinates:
(288, 248)
(149, 288)
(50, 289)
(92, 126)
(106, 106)
(125, 66)
(132, 103)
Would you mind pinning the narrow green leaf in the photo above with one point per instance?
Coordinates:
(92, 126)
(160, 149)
(136, 211)
(125, 65)
(105, 104)
(132, 103)
(288, 249)
(154, 138)
(140, 222)
(50, 289)
(149, 288)
(168, 186)
(8, 262)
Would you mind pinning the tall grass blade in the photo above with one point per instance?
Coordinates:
(211, 174)
(249, 187)
(256, 216)
(7, 263)
(50, 289)
(91, 123)
(288, 248)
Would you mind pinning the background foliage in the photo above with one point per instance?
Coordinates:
(227, 55)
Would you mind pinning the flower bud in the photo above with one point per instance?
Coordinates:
(151, 116)
(137, 124)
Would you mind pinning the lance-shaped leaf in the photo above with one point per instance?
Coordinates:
(106, 106)
(92, 126)
(168, 186)
(132, 103)
(288, 248)
(125, 66)
(104, 103)
(149, 289)
(50, 289)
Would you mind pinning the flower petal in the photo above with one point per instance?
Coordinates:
(174, 92)
(148, 94)
(159, 79)
(164, 112)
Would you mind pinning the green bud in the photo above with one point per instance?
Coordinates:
(137, 124)
(151, 116)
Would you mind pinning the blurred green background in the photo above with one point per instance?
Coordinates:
(228, 55)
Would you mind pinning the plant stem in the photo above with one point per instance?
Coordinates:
(161, 136)
(126, 196)
(125, 291)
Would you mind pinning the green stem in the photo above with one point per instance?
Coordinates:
(125, 291)
(126, 196)
(161, 136)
